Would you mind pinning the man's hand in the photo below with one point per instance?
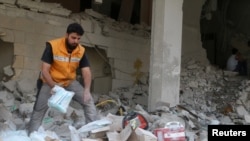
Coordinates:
(86, 96)
(56, 89)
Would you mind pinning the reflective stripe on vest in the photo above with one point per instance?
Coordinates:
(63, 68)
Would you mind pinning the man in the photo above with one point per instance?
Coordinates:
(237, 63)
(60, 61)
(232, 60)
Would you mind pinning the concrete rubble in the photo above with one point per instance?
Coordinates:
(44, 7)
(208, 96)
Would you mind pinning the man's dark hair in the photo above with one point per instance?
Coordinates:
(75, 28)
(234, 50)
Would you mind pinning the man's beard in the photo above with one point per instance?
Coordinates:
(70, 46)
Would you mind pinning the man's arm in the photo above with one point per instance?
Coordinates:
(46, 74)
(86, 74)
(87, 77)
(47, 59)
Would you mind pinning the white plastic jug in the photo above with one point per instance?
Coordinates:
(60, 99)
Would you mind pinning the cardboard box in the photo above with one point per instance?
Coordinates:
(173, 131)
(122, 136)
(99, 133)
(144, 135)
(128, 134)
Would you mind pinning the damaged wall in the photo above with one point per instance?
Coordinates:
(28, 25)
(6, 52)
(191, 37)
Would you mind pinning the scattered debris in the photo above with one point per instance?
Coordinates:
(203, 92)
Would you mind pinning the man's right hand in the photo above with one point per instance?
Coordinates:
(56, 89)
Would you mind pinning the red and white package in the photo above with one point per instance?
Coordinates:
(173, 131)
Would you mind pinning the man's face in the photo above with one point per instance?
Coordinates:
(72, 40)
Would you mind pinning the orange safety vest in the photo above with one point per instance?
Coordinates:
(64, 65)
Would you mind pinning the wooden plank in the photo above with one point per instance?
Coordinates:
(146, 12)
(126, 10)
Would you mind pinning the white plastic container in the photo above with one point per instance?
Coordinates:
(60, 99)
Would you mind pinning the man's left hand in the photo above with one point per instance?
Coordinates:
(86, 96)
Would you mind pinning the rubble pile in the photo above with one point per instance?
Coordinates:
(220, 94)
(208, 95)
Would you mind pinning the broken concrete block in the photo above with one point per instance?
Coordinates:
(60, 12)
(62, 130)
(5, 114)
(24, 86)
(19, 123)
(11, 125)
(94, 14)
(8, 71)
(10, 85)
(26, 108)
(3, 127)
(141, 99)
(247, 118)
(241, 111)
(7, 98)
(226, 120)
